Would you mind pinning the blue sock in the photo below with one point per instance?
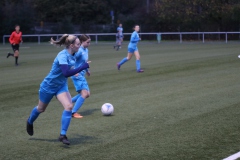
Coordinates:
(78, 104)
(138, 65)
(66, 119)
(33, 116)
(74, 99)
(123, 61)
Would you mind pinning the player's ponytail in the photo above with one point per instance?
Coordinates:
(65, 40)
(84, 38)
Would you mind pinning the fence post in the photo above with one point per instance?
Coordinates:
(96, 39)
(159, 37)
(180, 37)
(38, 39)
(203, 40)
(226, 37)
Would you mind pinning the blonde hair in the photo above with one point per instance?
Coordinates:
(84, 37)
(65, 40)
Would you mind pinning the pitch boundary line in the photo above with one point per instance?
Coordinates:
(233, 157)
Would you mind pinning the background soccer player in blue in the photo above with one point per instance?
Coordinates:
(132, 49)
(79, 79)
(55, 84)
(119, 37)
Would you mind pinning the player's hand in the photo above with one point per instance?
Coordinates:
(76, 75)
(13, 44)
(88, 73)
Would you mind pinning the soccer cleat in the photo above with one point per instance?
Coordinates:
(76, 115)
(118, 66)
(64, 139)
(114, 47)
(117, 48)
(16, 64)
(29, 129)
(140, 71)
(8, 55)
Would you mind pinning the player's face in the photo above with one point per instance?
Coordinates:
(86, 43)
(17, 28)
(120, 25)
(75, 46)
(137, 28)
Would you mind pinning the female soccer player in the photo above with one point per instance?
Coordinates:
(15, 39)
(132, 49)
(119, 37)
(55, 84)
(79, 80)
(118, 44)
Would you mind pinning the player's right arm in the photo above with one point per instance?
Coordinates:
(66, 71)
(70, 72)
(11, 38)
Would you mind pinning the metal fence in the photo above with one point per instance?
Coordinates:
(153, 36)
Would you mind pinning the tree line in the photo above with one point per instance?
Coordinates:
(159, 16)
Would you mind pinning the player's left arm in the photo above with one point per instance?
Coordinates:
(88, 72)
(21, 38)
(134, 38)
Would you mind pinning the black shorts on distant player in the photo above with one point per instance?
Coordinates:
(15, 47)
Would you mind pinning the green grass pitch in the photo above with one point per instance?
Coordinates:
(186, 105)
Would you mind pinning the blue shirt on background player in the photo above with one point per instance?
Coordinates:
(81, 57)
(132, 46)
(120, 30)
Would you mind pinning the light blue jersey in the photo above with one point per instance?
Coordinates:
(134, 40)
(81, 57)
(80, 81)
(55, 80)
(120, 30)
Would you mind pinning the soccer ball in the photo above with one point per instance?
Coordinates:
(107, 109)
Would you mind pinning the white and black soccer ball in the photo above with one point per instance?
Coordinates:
(107, 109)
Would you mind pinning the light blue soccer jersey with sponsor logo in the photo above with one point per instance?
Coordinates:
(55, 80)
(120, 30)
(81, 57)
(134, 40)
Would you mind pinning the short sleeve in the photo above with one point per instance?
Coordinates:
(62, 59)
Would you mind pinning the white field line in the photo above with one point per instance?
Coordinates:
(233, 157)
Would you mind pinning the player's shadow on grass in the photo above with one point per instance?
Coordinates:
(89, 112)
(141, 68)
(80, 139)
(74, 140)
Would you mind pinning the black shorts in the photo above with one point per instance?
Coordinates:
(15, 47)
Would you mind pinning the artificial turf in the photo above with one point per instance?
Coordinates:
(184, 106)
